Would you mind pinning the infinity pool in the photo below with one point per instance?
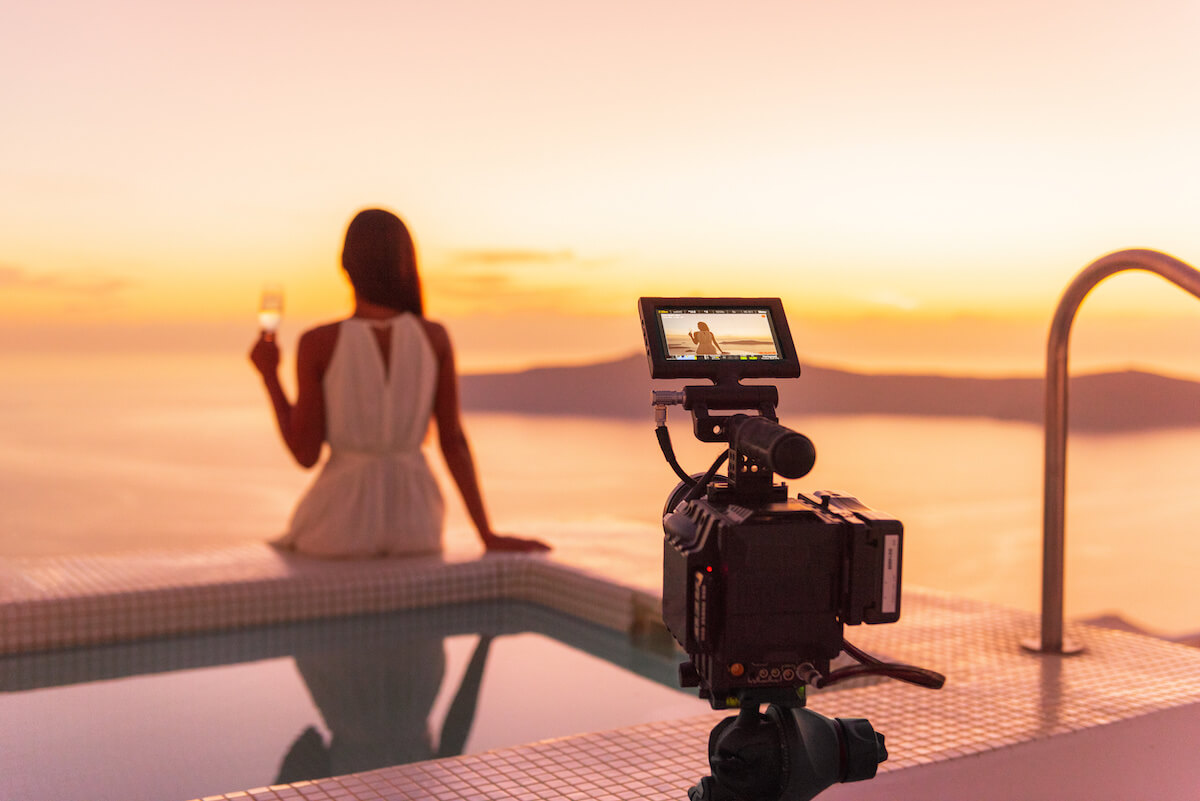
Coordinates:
(185, 717)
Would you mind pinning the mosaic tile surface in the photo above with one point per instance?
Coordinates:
(996, 695)
(62, 602)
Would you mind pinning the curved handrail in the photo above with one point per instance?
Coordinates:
(1054, 488)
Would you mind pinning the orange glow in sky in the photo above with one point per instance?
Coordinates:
(921, 160)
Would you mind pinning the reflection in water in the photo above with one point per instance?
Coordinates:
(204, 713)
(358, 692)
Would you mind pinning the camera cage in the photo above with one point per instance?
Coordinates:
(788, 753)
(758, 449)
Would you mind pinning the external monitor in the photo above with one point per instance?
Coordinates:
(718, 338)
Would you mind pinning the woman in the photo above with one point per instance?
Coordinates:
(369, 385)
(705, 341)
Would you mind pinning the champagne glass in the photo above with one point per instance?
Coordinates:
(270, 310)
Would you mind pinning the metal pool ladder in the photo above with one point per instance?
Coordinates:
(1054, 488)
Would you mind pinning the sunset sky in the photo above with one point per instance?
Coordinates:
(914, 179)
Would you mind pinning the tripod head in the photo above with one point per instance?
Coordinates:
(787, 754)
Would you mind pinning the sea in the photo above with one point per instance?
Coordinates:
(111, 454)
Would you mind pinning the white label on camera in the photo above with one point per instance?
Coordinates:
(891, 573)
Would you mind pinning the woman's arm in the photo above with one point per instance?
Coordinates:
(453, 441)
(301, 425)
(457, 724)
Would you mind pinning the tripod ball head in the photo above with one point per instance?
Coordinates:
(787, 754)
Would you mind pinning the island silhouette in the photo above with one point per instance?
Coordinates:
(1124, 400)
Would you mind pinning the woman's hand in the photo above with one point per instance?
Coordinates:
(499, 542)
(265, 355)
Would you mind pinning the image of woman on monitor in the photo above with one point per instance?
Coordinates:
(705, 341)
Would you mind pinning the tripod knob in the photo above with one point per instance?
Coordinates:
(864, 748)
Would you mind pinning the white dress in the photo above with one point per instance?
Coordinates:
(375, 495)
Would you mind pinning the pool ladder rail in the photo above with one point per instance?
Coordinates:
(1051, 640)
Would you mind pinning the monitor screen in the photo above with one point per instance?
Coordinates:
(711, 337)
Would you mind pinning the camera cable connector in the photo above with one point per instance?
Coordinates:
(660, 399)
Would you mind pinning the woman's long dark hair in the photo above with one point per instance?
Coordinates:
(381, 262)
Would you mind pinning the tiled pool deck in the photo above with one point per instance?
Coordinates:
(1002, 710)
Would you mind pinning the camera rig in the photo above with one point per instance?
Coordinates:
(757, 586)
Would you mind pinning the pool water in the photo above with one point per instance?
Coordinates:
(186, 717)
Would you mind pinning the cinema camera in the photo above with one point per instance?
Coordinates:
(757, 586)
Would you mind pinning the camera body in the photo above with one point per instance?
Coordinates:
(758, 597)
(757, 586)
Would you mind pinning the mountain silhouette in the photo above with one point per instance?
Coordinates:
(1126, 400)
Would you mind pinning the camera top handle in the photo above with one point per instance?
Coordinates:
(758, 445)
(726, 396)
(761, 438)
